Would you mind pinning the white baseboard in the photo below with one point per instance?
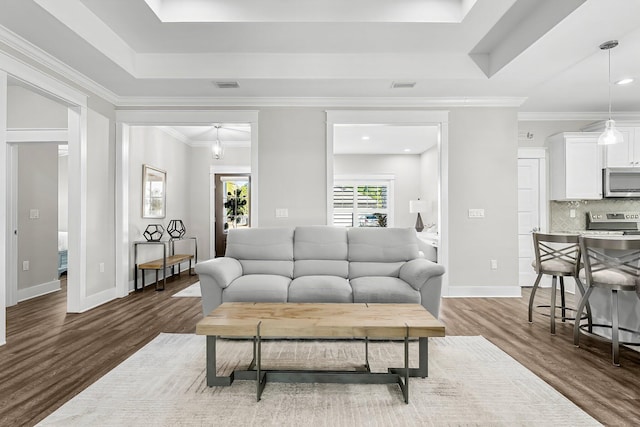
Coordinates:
(92, 301)
(38, 290)
(484, 292)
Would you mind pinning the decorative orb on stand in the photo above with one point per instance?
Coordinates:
(153, 232)
(176, 228)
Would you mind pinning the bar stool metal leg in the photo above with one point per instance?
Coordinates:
(579, 315)
(533, 294)
(553, 304)
(615, 342)
(563, 302)
(576, 326)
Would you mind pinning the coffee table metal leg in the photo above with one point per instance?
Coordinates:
(212, 378)
(366, 354)
(403, 373)
(261, 377)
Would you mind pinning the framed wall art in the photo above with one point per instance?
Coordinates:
(154, 197)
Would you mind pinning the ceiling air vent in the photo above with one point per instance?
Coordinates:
(227, 85)
(403, 85)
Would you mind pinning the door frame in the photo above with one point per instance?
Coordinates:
(77, 112)
(15, 137)
(218, 170)
(127, 118)
(540, 154)
(438, 118)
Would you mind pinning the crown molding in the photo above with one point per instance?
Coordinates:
(320, 102)
(558, 116)
(38, 55)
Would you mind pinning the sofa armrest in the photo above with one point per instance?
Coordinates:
(223, 270)
(418, 271)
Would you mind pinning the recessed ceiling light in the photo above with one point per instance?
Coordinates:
(227, 85)
(625, 81)
(366, 138)
(407, 150)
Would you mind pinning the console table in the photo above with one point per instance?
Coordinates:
(169, 259)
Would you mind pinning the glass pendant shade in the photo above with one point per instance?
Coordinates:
(611, 135)
(217, 150)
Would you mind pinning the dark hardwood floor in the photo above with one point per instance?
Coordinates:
(51, 356)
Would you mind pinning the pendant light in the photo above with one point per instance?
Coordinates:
(611, 135)
(217, 149)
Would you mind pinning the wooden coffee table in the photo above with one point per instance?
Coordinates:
(299, 320)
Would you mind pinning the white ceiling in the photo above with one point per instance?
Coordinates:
(538, 55)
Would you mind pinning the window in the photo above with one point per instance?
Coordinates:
(235, 199)
(363, 202)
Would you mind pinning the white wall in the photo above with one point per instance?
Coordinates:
(63, 193)
(37, 237)
(292, 166)
(429, 176)
(100, 205)
(542, 129)
(151, 146)
(483, 155)
(28, 110)
(404, 168)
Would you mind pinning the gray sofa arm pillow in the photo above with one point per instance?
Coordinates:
(418, 271)
(222, 270)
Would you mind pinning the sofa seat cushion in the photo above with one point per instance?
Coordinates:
(320, 289)
(257, 288)
(383, 290)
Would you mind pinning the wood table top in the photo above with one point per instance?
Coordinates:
(309, 320)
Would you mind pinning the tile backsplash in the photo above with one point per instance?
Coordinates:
(560, 212)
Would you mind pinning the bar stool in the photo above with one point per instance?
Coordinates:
(557, 255)
(614, 265)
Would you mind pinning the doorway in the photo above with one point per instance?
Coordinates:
(233, 204)
(437, 187)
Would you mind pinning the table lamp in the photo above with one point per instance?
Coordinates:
(417, 206)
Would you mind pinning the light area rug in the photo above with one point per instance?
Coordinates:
(471, 382)
(190, 291)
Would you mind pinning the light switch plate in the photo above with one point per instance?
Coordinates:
(282, 213)
(476, 213)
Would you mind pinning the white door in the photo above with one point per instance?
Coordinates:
(528, 216)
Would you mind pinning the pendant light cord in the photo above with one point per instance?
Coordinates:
(609, 84)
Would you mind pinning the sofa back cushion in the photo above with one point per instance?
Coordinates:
(320, 250)
(262, 250)
(380, 251)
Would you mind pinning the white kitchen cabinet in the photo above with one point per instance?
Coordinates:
(625, 154)
(575, 161)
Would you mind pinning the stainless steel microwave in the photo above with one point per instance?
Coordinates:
(621, 182)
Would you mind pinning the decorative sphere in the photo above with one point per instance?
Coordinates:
(176, 228)
(153, 232)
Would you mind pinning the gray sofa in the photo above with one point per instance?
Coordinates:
(321, 264)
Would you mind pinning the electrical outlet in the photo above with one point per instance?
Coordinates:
(34, 213)
(572, 213)
(25, 265)
(102, 267)
(494, 264)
